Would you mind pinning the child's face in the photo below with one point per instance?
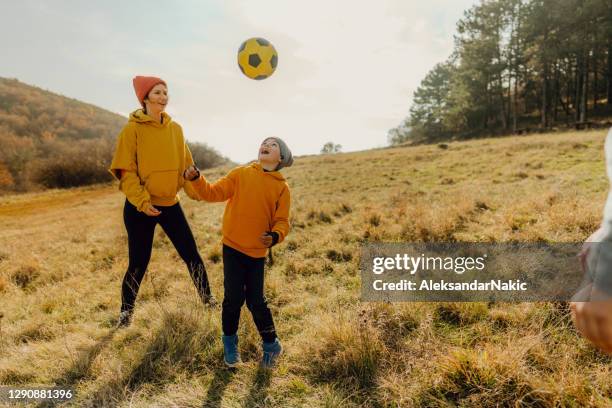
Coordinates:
(269, 151)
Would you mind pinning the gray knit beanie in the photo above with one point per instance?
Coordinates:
(286, 156)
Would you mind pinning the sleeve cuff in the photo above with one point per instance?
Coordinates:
(197, 176)
(143, 205)
(198, 181)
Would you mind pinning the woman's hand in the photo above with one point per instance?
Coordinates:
(151, 211)
(593, 318)
(191, 173)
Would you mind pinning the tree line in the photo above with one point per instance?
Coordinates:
(517, 65)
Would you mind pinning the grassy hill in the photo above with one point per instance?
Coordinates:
(63, 254)
(49, 140)
(26, 110)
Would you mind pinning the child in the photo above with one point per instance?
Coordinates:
(256, 217)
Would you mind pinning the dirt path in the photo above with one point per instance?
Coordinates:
(27, 204)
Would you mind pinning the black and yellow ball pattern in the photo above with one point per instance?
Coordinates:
(257, 58)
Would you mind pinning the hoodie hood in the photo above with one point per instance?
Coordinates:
(139, 116)
(274, 173)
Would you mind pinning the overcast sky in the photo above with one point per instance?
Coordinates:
(346, 70)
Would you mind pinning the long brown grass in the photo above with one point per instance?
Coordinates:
(63, 254)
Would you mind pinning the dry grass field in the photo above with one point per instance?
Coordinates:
(63, 254)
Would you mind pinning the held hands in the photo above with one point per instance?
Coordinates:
(191, 173)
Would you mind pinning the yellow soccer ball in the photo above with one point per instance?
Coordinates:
(257, 58)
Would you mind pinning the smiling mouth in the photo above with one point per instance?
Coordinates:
(264, 151)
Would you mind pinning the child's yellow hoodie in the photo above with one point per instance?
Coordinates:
(258, 201)
(154, 156)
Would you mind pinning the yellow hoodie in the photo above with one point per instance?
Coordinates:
(153, 156)
(258, 201)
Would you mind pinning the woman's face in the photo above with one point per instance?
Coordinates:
(157, 99)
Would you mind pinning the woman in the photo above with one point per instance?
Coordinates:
(592, 305)
(149, 161)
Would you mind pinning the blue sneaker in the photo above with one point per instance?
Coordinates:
(271, 351)
(231, 355)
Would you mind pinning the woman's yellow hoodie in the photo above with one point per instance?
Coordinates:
(258, 201)
(154, 156)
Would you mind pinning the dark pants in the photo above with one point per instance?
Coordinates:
(243, 279)
(140, 229)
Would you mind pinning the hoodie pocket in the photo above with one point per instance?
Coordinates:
(246, 230)
(162, 183)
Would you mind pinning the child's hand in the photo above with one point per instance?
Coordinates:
(266, 239)
(269, 238)
(191, 173)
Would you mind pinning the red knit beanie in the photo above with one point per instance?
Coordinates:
(143, 84)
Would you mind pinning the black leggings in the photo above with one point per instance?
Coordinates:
(243, 279)
(140, 229)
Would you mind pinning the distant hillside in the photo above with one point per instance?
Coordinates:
(30, 111)
(37, 133)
